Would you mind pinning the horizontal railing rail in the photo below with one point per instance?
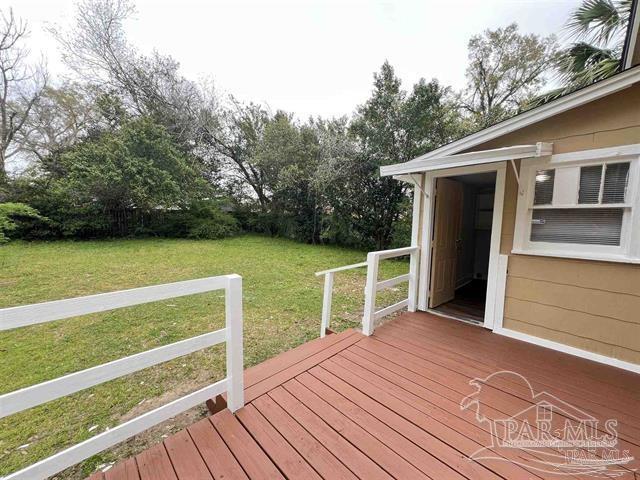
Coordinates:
(373, 286)
(25, 398)
(327, 294)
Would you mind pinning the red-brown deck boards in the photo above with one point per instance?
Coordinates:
(280, 362)
(249, 454)
(451, 445)
(479, 342)
(356, 461)
(291, 371)
(367, 443)
(402, 446)
(419, 344)
(185, 457)
(127, 470)
(154, 464)
(439, 408)
(502, 349)
(388, 406)
(215, 453)
(595, 397)
(497, 405)
(412, 343)
(275, 445)
(321, 459)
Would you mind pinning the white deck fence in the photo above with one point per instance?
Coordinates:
(373, 286)
(19, 400)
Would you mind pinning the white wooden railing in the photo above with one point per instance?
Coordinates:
(327, 293)
(19, 400)
(373, 286)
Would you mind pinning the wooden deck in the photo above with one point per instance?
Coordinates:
(388, 406)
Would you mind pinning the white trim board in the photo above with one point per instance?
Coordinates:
(581, 97)
(633, 36)
(561, 347)
(620, 152)
(427, 215)
(481, 157)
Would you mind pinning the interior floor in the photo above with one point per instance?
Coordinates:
(469, 302)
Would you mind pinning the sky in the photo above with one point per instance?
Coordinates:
(310, 57)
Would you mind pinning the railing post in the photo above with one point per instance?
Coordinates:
(413, 280)
(326, 303)
(370, 294)
(235, 370)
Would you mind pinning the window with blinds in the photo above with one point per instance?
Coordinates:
(597, 214)
(598, 226)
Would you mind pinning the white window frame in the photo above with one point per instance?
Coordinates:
(629, 249)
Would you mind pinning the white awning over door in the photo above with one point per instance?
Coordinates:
(515, 152)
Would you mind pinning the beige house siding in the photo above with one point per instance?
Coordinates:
(590, 305)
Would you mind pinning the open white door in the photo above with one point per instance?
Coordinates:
(446, 238)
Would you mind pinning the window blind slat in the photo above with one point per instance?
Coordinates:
(590, 179)
(597, 226)
(615, 183)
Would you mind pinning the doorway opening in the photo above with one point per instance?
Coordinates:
(461, 245)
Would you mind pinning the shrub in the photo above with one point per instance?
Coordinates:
(206, 219)
(13, 213)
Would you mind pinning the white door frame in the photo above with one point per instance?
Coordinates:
(427, 214)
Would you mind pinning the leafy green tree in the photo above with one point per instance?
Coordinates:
(137, 166)
(134, 167)
(337, 155)
(392, 126)
(289, 156)
(506, 70)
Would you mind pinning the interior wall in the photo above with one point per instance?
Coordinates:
(585, 304)
(466, 254)
(484, 215)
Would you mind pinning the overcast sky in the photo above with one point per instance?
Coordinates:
(311, 57)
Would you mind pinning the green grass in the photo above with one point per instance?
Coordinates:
(282, 304)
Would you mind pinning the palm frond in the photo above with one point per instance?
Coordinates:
(582, 60)
(599, 27)
(599, 21)
(578, 66)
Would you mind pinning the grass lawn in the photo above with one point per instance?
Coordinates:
(282, 304)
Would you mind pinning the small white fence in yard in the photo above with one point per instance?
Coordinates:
(373, 286)
(19, 400)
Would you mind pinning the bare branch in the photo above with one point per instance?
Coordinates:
(21, 85)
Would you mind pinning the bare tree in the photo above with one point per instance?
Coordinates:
(21, 86)
(506, 69)
(97, 50)
(58, 120)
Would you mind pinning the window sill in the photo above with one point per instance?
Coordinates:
(601, 257)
